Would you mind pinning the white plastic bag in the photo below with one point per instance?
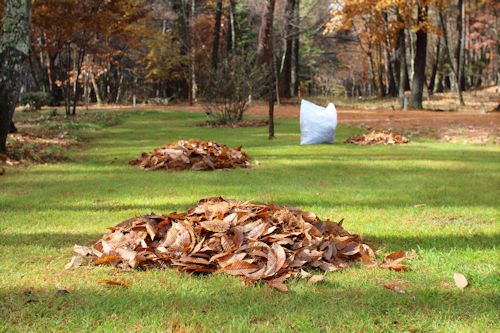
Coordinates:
(317, 124)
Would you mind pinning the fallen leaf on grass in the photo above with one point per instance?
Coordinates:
(460, 281)
(76, 261)
(115, 283)
(445, 285)
(394, 260)
(396, 286)
(316, 278)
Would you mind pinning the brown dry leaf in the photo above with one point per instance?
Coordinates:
(316, 278)
(76, 261)
(460, 281)
(115, 283)
(240, 267)
(106, 260)
(396, 286)
(216, 225)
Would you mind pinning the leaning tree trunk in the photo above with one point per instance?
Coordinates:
(14, 52)
(417, 87)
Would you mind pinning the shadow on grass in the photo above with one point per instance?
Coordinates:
(48, 239)
(199, 304)
(439, 242)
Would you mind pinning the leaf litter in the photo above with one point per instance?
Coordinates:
(378, 138)
(256, 242)
(193, 154)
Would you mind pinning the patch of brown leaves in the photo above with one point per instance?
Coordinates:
(25, 148)
(378, 138)
(193, 154)
(253, 241)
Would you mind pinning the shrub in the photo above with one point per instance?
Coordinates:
(35, 100)
(228, 89)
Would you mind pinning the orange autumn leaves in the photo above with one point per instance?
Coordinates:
(193, 154)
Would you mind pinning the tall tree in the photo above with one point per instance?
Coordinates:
(215, 47)
(14, 52)
(265, 56)
(417, 87)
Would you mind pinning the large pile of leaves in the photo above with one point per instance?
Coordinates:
(193, 154)
(378, 138)
(254, 241)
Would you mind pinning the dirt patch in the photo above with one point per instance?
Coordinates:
(193, 154)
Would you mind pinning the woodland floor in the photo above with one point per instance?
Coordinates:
(438, 198)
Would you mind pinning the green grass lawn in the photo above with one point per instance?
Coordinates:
(46, 209)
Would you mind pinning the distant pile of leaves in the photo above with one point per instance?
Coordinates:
(256, 242)
(378, 138)
(193, 154)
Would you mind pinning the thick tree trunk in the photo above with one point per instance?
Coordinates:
(215, 46)
(417, 87)
(14, 52)
(265, 57)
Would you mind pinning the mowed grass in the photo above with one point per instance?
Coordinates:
(438, 199)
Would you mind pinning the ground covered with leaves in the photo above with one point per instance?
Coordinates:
(439, 199)
(46, 137)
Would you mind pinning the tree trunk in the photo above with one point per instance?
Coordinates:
(96, 90)
(14, 52)
(265, 56)
(286, 73)
(432, 81)
(215, 46)
(403, 78)
(296, 50)
(231, 30)
(380, 79)
(442, 21)
(459, 51)
(79, 60)
(417, 87)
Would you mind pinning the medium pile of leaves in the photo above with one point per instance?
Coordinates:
(193, 154)
(378, 138)
(254, 241)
